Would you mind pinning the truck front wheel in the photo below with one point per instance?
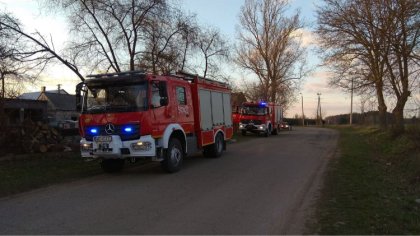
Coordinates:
(173, 156)
(267, 131)
(112, 165)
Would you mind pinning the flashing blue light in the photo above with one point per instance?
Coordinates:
(128, 129)
(263, 104)
(93, 130)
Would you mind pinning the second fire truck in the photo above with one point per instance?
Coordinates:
(260, 118)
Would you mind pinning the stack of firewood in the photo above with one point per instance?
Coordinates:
(39, 137)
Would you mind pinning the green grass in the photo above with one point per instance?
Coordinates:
(37, 170)
(372, 187)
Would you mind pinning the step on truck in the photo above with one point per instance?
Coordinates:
(260, 117)
(136, 115)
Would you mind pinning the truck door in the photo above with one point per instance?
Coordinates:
(160, 104)
(185, 112)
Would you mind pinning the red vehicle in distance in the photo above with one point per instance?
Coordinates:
(260, 118)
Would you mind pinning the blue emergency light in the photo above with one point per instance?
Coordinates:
(128, 129)
(93, 130)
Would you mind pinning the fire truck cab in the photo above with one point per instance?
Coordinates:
(134, 115)
(260, 118)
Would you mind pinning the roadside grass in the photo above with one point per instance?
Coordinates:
(373, 187)
(31, 171)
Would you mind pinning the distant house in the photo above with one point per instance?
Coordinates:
(17, 110)
(35, 95)
(61, 105)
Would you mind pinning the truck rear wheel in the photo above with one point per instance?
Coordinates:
(112, 165)
(173, 156)
(215, 149)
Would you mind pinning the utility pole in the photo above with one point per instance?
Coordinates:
(318, 111)
(303, 114)
(351, 103)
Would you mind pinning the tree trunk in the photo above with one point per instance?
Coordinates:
(381, 106)
(398, 114)
(2, 86)
(2, 113)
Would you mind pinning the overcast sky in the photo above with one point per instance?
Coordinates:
(222, 14)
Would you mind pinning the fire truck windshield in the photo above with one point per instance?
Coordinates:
(117, 98)
(254, 110)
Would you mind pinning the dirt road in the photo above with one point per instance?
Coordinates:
(260, 186)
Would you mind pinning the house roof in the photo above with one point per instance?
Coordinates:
(60, 101)
(35, 95)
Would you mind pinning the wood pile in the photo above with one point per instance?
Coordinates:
(35, 137)
(39, 137)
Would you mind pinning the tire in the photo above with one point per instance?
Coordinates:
(216, 149)
(243, 132)
(267, 131)
(275, 132)
(112, 165)
(173, 156)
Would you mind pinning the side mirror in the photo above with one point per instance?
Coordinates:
(79, 100)
(164, 101)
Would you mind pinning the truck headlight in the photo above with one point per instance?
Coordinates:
(241, 125)
(86, 147)
(141, 146)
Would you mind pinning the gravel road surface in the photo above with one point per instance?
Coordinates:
(259, 186)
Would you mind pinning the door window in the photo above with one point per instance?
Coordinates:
(159, 95)
(180, 94)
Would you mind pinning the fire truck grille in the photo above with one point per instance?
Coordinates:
(255, 122)
(126, 132)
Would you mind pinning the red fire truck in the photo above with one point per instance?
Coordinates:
(135, 115)
(261, 118)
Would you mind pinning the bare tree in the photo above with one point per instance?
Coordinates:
(212, 45)
(189, 37)
(107, 33)
(362, 42)
(167, 39)
(35, 48)
(403, 33)
(122, 35)
(270, 46)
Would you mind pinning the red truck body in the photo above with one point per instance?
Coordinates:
(162, 117)
(260, 118)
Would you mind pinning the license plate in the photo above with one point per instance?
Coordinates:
(102, 139)
(103, 147)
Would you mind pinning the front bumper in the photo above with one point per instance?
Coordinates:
(145, 146)
(252, 128)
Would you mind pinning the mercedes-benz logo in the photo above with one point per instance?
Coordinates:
(109, 128)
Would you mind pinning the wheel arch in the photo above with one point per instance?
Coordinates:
(219, 131)
(223, 136)
(174, 131)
